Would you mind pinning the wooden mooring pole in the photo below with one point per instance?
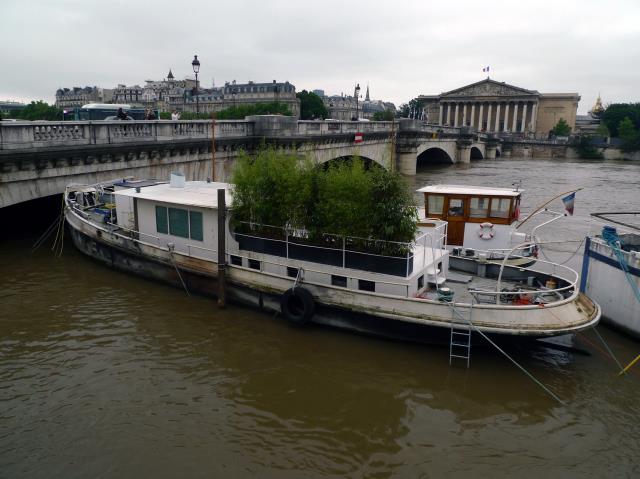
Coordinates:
(222, 260)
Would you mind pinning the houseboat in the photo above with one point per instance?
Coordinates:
(611, 270)
(169, 231)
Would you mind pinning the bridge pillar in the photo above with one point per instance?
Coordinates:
(407, 159)
(464, 145)
(492, 147)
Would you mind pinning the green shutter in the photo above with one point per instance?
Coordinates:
(178, 222)
(161, 219)
(195, 224)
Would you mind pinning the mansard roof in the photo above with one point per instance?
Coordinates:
(489, 87)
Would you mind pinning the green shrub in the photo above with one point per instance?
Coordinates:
(320, 205)
(586, 150)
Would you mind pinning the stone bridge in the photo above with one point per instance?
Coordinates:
(39, 159)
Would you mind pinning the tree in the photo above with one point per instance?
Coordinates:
(602, 130)
(629, 135)
(617, 112)
(585, 149)
(38, 110)
(241, 111)
(311, 106)
(386, 115)
(413, 109)
(562, 128)
(345, 198)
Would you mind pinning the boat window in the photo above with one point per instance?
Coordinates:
(500, 207)
(254, 264)
(339, 281)
(236, 260)
(292, 272)
(421, 282)
(195, 225)
(178, 222)
(161, 220)
(435, 204)
(365, 285)
(479, 207)
(456, 207)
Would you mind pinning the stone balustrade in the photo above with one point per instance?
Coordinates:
(51, 134)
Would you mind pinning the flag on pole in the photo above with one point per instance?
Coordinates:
(485, 69)
(569, 202)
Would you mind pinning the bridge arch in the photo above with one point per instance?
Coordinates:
(435, 156)
(368, 162)
(476, 153)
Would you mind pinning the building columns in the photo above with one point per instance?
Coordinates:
(473, 114)
(497, 127)
(534, 114)
(489, 106)
(440, 114)
(480, 125)
(514, 123)
(464, 114)
(506, 117)
(523, 127)
(455, 119)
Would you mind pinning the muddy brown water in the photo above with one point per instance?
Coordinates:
(108, 375)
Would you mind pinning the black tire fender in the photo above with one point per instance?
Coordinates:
(297, 305)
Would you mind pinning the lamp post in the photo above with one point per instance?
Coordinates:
(196, 68)
(357, 95)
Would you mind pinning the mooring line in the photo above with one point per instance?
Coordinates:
(178, 271)
(609, 350)
(509, 357)
(521, 367)
(45, 235)
(624, 371)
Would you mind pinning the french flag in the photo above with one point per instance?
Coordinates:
(569, 202)
(485, 69)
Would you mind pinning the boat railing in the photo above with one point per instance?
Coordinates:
(564, 273)
(156, 241)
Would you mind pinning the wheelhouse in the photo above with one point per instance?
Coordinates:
(461, 205)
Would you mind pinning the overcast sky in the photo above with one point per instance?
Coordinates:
(400, 48)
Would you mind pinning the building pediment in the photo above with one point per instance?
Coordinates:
(489, 88)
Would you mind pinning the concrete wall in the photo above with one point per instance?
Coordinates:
(552, 107)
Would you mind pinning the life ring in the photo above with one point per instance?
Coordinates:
(297, 305)
(486, 231)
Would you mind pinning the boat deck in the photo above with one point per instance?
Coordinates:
(479, 290)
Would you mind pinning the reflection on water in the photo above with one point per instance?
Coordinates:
(103, 374)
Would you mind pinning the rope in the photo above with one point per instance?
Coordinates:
(624, 371)
(610, 235)
(178, 271)
(45, 235)
(608, 348)
(521, 367)
(548, 391)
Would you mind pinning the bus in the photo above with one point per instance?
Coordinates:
(102, 111)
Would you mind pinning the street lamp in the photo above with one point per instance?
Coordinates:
(357, 94)
(196, 68)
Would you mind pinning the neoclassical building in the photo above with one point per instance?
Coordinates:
(494, 106)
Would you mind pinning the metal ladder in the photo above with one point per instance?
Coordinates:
(460, 339)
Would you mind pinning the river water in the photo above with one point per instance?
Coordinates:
(107, 375)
